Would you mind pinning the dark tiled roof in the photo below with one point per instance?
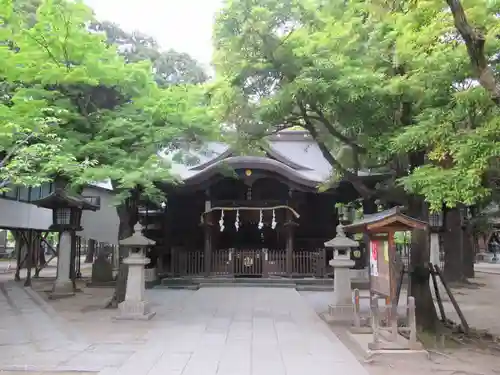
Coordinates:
(395, 212)
(296, 151)
(61, 197)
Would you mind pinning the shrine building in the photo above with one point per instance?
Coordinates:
(249, 216)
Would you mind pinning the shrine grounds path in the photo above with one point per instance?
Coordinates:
(223, 331)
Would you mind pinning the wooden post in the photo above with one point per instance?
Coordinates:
(19, 249)
(72, 268)
(29, 256)
(289, 252)
(289, 243)
(207, 251)
(173, 261)
(375, 322)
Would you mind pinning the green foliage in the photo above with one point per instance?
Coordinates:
(86, 111)
(458, 125)
(389, 80)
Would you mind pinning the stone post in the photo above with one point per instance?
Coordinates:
(135, 307)
(434, 249)
(63, 286)
(357, 310)
(342, 307)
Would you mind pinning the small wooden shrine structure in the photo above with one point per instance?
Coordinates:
(384, 271)
(380, 229)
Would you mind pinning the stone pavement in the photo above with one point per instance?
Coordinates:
(482, 267)
(223, 331)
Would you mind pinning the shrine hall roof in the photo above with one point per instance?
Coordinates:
(293, 153)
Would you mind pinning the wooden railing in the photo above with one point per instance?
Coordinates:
(250, 263)
(276, 263)
(308, 263)
(190, 263)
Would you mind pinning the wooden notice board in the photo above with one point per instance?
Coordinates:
(380, 269)
(380, 228)
(383, 272)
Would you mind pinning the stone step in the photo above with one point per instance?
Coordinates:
(178, 286)
(314, 288)
(247, 284)
(244, 280)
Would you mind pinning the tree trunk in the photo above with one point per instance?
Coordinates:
(475, 40)
(469, 254)
(127, 213)
(90, 252)
(452, 244)
(425, 310)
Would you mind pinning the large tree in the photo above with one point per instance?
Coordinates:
(459, 126)
(351, 75)
(104, 111)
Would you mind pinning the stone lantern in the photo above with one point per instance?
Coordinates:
(342, 307)
(135, 307)
(66, 219)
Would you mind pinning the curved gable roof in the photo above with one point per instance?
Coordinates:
(258, 162)
(293, 154)
(273, 154)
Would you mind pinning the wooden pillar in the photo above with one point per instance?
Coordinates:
(19, 253)
(207, 243)
(29, 256)
(72, 268)
(208, 249)
(289, 242)
(173, 262)
(369, 207)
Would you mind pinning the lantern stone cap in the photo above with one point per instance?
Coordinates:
(137, 239)
(60, 198)
(341, 241)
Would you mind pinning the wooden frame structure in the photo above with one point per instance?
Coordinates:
(380, 229)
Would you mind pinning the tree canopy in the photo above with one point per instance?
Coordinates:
(391, 82)
(90, 111)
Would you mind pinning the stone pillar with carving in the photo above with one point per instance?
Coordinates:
(342, 307)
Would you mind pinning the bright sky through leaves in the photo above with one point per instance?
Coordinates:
(184, 25)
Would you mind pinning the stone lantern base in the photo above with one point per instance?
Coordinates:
(342, 309)
(62, 289)
(135, 310)
(135, 307)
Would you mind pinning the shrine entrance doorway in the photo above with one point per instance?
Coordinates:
(247, 236)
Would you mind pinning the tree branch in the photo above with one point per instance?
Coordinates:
(474, 41)
(334, 132)
(353, 178)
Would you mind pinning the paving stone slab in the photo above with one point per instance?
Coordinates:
(219, 331)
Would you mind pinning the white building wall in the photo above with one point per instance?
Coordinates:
(14, 214)
(101, 225)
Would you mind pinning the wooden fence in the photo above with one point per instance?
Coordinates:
(249, 263)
